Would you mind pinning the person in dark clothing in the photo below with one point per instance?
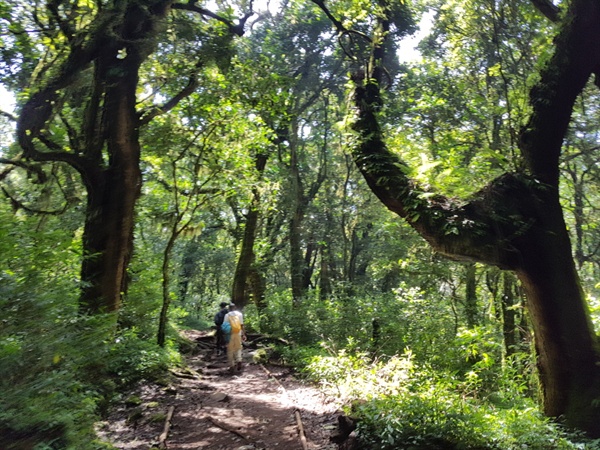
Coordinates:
(221, 344)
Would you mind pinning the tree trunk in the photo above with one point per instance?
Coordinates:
(298, 207)
(117, 44)
(324, 272)
(247, 257)
(509, 323)
(239, 294)
(166, 280)
(310, 258)
(189, 266)
(471, 295)
(566, 345)
(258, 289)
(108, 230)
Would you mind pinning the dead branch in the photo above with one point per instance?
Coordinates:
(301, 430)
(296, 412)
(229, 428)
(270, 375)
(162, 440)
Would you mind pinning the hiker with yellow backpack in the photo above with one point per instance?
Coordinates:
(234, 319)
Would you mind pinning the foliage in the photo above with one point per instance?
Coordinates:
(58, 370)
(131, 359)
(373, 289)
(400, 404)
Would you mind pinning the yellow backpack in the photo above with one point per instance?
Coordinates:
(236, 325)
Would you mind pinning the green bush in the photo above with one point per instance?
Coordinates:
(49, 396)
(131, 359)
(400, 405)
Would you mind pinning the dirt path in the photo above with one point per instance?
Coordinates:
(257, 408)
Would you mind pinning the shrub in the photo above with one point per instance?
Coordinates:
(400, 405)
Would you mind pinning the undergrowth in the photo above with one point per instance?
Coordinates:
(55, 389)
(401, 404)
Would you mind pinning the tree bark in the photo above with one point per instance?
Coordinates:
(509, 323)
(299, 203)
(565, 342)
(118, 42)
(471, 295)
(247, 257)
(108, 230)
(166, 281)
(189, 265)
(325, 289)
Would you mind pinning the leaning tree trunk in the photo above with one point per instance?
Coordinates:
(516, 222)
(565, 342)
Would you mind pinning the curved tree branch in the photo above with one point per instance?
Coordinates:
(17, 204)
(548, 9)
(575, 59)
(18, 162)
(491, 225)
(341, 29)
(237, 29)
(189, 88)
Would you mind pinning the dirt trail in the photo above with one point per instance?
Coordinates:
(257, 408)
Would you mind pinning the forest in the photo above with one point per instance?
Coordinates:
(417, 233)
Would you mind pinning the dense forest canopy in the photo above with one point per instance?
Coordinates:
(164, 156)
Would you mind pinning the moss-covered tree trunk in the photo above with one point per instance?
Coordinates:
(516, 222)
(246, 259)
(105, 150)
(509, 315)
(108, 231)
(564, 338)
(471, 295)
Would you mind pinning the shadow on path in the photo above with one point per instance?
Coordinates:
(252, 409)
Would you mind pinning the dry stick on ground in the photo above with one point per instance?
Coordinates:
(270, 375)
(301, 430)
(162, 440)
(229, 428)
(296, 412)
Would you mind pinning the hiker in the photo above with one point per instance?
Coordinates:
(219, 317)
(235, 319)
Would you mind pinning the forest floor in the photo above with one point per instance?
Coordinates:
(206, 407)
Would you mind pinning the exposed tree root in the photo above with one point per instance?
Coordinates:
(162, 440)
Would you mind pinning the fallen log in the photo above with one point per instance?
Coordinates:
(229, 428)
(255, 339)
(162, 440)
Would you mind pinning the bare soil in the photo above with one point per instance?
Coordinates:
(260, 407)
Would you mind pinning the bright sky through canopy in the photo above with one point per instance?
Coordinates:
(7, 100)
